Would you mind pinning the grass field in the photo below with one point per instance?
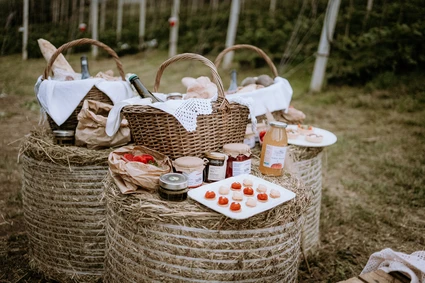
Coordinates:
(373, 188)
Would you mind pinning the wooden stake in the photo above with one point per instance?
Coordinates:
(119, 20)
(323, 49)
(94, 9)
(25, 31)
(142, 22)
(231, 32)
(174, 30)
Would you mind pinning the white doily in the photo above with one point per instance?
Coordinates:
(412, 265)
(248, 102)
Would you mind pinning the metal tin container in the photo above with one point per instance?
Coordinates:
(174, 96)
(64, 138)
(173, 187)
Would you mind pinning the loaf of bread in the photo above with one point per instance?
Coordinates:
(47, 49)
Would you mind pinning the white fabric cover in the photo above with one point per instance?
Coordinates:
(60, 98)
(272, 98)
(412, 265)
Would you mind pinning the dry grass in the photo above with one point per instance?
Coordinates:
(373, 190)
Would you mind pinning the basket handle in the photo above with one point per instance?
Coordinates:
(247, 46)
(192, 56)
(82, 41)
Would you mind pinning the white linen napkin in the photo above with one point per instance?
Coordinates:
(272, 98)
(60, 98)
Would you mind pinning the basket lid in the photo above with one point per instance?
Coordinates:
(173, 181)
(235, 149)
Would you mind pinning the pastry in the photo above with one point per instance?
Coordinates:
(251, 202)
(223, 190)
(274, 193)
(248, 191)
(235, 207)
(247, 182)
(223, 201)
(238, 196)
(48, 49)
(292, 133)
(236, 186)
(305, 129)
(261, 188)
(316, 138)
(262, 197)
(210, 195)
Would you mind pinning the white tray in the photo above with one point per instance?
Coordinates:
(198, 194)
(328, 138)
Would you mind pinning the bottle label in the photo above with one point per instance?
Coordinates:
(194, 179)
(216, 173)
(274, 156)
(241, 167)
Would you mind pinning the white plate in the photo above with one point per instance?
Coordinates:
(328, 138)
(198, 194)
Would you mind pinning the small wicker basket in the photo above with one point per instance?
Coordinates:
(161, 131)
(94, 94)
(276, 114)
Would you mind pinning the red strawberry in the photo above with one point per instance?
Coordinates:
(140, 158)
(129, 157)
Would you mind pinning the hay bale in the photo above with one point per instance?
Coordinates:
(63, 208)
(151, 240)
(308, 161)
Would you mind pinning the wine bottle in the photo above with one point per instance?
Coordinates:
(84, 68)
(233, 82)
(141, 89)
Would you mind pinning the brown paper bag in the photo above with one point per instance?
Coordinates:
(91, 125)
(130, 176)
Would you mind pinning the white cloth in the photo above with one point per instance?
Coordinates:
(412, 265)
(114, 117)
(60, 98)
(272, 98)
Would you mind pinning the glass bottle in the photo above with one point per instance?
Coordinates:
(84, 68)
(233, 82)
(141, 89)
(274, 149)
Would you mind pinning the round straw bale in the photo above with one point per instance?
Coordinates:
(151, 240)
(63, 208)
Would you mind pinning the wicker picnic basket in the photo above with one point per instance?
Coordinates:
(278, 115)
(93, 94)
(161, 131)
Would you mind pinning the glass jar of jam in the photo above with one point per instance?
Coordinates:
(173, 187)
(193, 168)
(239, 159)
(215, 169)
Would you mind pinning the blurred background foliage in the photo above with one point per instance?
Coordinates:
(378, 44)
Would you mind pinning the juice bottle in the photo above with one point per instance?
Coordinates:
(274, 148)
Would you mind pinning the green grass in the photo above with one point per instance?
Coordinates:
(373, 184)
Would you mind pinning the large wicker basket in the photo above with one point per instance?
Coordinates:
(93, 94)
(278, 115)
(161, 131)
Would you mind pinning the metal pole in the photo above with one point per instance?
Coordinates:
(25, 32)
(142, 22)
(94, 5)
(323, 49)
(231, 32)
(174, 29)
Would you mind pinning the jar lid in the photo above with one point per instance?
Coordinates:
(278, 124)
(174, 95)
(63, 133)
(173, 181)
(235, 149)
(215, 155)
(188, 162)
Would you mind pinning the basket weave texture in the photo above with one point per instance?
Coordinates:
(308, 161)
(93, 94)
(161, 131)
(151, 240)
(64, 210)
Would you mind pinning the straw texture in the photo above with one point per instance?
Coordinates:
(63, 210)
(94, 93)
(151, 240)
(308, 161)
